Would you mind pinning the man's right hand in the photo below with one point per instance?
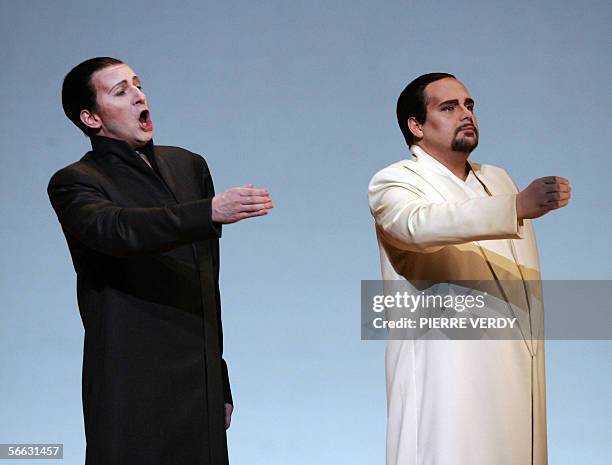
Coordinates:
(542, 196)
(238, 203)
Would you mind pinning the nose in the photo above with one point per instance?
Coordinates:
(466, 114)
(139, 96)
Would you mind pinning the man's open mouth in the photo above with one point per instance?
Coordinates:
(145, 120)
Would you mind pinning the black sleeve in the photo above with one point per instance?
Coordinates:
(85, 212)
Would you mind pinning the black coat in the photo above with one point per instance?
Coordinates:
(146, 254)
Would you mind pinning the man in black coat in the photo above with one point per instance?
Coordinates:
(142, 224)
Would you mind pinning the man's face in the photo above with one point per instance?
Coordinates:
(122, 111)
(450, 122)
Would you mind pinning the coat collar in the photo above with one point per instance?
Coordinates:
(427, 161)
(423, 164)
(102, 146)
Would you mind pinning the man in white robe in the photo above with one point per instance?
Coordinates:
(442, 219)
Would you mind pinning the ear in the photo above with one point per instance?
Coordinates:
(90, 119)
(415, 127)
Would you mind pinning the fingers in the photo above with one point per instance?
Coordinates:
(238, 203)
(251, 191)
(557, 200)
(551, 196)
(556, 188)
(554, 180)
(254, 199)
(555, 204)
(543, 195)
(248, 194)
(564, 188)
(245, 215)
(257, 206)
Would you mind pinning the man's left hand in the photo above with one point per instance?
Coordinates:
(229, 408)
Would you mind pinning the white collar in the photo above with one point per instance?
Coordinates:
(422, 156)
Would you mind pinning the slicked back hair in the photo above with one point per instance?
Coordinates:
(413, 100)
(78, 93)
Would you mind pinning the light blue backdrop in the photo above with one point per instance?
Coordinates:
(299, 97)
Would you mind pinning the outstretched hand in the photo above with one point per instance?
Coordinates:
(541, 196)
(238, 203)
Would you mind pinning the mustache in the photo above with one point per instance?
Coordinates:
(469, 125)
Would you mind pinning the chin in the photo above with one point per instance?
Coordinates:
(464, 145)
(143, 140)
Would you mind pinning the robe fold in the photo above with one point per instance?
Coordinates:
(146, 255)
(461, 402)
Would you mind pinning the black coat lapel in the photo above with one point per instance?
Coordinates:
(102, 146)
(165, 172)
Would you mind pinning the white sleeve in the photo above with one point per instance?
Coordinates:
(415, 223)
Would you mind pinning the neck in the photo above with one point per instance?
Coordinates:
(456, 162)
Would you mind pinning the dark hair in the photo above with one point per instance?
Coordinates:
(77, 91)
(412, 102)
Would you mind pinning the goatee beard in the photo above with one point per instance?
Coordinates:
(464, 144)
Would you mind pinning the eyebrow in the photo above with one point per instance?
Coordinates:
(124, 82)
(456, 102)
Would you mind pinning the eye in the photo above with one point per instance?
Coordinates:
(121, 92)
(448, 107)
(470, 107)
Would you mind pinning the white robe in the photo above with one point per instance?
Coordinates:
(459, 402)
